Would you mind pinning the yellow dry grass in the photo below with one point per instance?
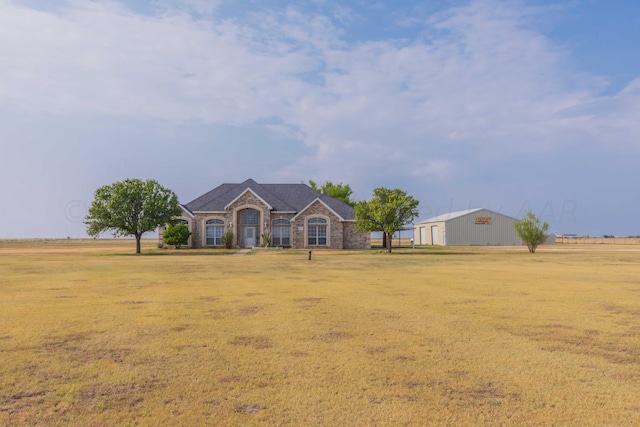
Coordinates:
(91, 336)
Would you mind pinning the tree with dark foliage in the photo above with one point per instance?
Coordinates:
(131, 208)
(388, 211)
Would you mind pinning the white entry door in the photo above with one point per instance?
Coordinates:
(434, 234)
(249, 237)
(423, 235)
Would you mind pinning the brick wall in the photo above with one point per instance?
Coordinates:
(341, 235)
(354, 240)
(249, 201)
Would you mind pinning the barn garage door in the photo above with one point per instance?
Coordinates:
(434, 235)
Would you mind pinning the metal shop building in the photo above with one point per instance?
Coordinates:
(465, 228)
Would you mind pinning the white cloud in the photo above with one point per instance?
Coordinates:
(438, 169)
(202, 7)
(481, 85)
(488, 78)
(615, 117)
(100, 58)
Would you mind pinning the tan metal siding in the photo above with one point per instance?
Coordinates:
(425, 238)
(465, 231)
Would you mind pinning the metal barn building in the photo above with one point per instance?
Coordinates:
(471, 227)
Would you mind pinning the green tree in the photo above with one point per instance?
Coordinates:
(338, 191)
(177, 235)
(131, 208)
(532, 231)
(388, 211)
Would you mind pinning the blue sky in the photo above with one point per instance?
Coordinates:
(509, 105)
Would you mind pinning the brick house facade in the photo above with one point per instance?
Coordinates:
(293, 215)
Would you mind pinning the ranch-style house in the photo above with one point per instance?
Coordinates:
(293, 215)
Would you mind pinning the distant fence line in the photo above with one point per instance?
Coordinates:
(559, 241)
(598, 240)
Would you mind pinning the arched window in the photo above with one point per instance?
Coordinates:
(249, 217)
(317, 232)
(280, 232)
(214, 230)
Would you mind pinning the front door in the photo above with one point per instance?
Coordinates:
(249, 237)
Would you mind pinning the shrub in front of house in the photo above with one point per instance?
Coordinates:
(227, 240)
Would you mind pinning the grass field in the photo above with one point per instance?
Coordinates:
(91, 335)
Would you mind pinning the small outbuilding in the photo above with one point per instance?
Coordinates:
(466, 228)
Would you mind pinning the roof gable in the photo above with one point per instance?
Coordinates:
(248, 190)
(317, 199)
(187, 211)
(453, 215)
(450, 215)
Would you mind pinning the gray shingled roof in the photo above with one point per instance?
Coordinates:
(281, 197)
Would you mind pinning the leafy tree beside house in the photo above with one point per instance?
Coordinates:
(176, 235)
(131, 208)
(532, 231)
(388, 211)
(337, 191)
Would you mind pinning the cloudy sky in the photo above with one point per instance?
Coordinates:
(510, 105)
